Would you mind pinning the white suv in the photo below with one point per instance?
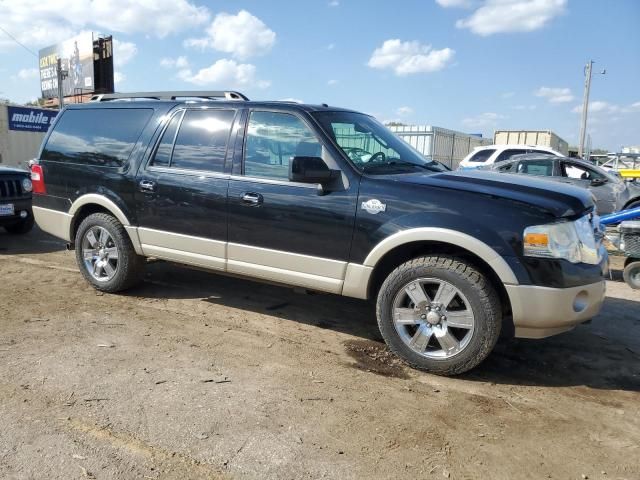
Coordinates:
(490, 154)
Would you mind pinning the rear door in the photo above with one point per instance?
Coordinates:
(182, 190)
(286, 231)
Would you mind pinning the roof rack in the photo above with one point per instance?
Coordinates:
(212, 95)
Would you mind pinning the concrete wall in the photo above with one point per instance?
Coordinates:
(17, 147)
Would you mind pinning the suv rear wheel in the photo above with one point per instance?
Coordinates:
(439, 314)
(105, 254)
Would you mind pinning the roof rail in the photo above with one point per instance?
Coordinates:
(207, 95)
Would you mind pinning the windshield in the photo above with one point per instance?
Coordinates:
(371, 147)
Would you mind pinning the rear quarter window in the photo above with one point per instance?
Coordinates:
(96, 136)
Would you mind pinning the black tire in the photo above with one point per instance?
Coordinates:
(130, 265)
(631, 274)
(480, 296)
(22, 227)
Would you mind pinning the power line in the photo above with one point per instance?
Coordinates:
(19, 43)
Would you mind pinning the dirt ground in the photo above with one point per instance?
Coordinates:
(193, 375)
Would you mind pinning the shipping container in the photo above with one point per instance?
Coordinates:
(441, 144)
(21, 132)
(543, 138)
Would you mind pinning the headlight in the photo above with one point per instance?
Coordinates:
(27, 186)
(573, 241)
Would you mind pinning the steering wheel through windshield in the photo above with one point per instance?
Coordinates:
(378, 157)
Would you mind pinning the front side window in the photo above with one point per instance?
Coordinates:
(272, 139)
(371, 147)
(578, 172)
(102, 137)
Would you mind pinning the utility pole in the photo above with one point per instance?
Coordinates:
(61, 74)
(585, 104)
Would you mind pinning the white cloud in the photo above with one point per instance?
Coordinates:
(455, 3)
(37, 24)
(118, 77)
(404, 111)
(334, 3)
(634, 107)
(181, 62)
(507, 94)
(598, 106)
(501, 16)
(123, 52)
(555, 94)
(224, 74)
(241, 35)
(486, 119)
(332, 82)
(406, 58)
(28, 73)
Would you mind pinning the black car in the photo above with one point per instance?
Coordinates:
(326, 199)
(15, 200)
(611, 192)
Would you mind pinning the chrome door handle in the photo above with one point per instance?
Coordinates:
(147, 186)
(253, 199)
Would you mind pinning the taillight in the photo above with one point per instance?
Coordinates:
(37, 178)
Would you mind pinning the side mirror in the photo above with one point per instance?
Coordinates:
(310, 170)
(596, 182)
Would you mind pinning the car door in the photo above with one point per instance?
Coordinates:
(286, 231)
(604, 191)
(182, 190)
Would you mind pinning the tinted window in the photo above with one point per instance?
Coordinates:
(536, 167)
(162, 157)
(507, 154)
(96, 136)
(482, 155)
(201, 143)
(272, 139)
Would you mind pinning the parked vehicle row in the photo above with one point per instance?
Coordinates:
(267, 190)
(489, 155)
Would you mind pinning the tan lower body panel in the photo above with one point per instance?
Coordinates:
(201, 252)
(294, 269)
(540, 312)
(53, 222)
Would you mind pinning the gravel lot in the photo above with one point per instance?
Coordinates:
(194, 375)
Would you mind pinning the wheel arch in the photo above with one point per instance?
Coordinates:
(92, 203)
(405, 245)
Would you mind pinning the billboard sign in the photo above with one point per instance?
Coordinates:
(76, 56)
(30, 119)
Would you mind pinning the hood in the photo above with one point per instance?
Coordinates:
(12, 171)
(558, 199)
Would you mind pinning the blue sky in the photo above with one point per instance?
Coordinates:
(471, 65)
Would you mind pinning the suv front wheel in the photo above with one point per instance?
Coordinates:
(105, 255)
(439, 314)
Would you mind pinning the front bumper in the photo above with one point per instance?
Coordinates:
(19, 205)
(540, 312)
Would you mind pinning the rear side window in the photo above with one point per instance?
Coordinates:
(507, 154)
(536, 167)
(96, 136)
(482, 156)
(201, 141)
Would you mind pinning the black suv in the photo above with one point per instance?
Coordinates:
(326, 199)
(15, 200)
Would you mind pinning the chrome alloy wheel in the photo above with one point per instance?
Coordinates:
(433, 318)
(100, 254)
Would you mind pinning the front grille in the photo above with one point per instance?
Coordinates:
(10, 188)
(631, 244)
